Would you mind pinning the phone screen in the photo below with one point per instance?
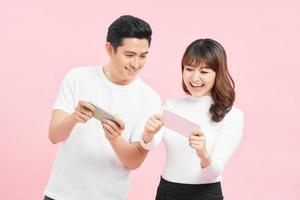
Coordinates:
(179, 124)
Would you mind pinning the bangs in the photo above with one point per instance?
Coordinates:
(195, 57)
(193, 61)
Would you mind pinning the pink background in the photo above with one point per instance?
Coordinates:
(41, 40)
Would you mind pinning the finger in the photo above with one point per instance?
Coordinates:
(79, 119)
(112, 124)
(156, 121)
(199, 138)
(197, 147)
(87, 115)
(107, 134)
(198, 133)
(196, 142)
(82, 116)
(105, 130)
(150, 128)
(194, 146)
(87, 105)
(120, 122)
(109, 129)
(159, 117)
(153, 124)
(86, 112)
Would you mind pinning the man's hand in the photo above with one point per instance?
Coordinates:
(83, 111)
(113, 130)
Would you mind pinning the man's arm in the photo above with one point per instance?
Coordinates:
(133, 154)
(62, 122)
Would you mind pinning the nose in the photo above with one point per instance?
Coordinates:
(135, 62)
(196, 77)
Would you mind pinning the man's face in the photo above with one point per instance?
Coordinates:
(127, 60)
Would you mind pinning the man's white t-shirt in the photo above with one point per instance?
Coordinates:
(86, 166)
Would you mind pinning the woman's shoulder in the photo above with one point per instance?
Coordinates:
(234, 114)
(175, 101)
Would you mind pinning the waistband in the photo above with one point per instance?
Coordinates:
(189, 188)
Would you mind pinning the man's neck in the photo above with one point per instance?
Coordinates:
(111, 75)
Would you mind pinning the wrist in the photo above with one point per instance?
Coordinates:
(70, 121)
(73, 119)
(115, 140)
(146, 141)
(147, 137)
(205, 160)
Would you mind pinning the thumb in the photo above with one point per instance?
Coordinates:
(120, 122)
(197, 133)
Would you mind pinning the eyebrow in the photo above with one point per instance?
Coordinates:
(132, 52)
(205, 67)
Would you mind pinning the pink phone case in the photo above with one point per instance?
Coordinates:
(179, 124)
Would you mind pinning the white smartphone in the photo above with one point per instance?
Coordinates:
(100, 114)
(179, 124)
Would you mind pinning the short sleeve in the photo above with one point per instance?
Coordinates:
(65, 99)
(152, 109)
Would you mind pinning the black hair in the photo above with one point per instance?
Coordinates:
(128, 26)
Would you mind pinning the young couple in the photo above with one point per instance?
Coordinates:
(95, 159)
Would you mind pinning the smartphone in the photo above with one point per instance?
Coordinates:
(100, 114)
(179, 124)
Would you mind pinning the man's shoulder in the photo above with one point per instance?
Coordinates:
(83, 70)
(148, 91)
(82, 73)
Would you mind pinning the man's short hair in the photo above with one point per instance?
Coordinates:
(128, 26)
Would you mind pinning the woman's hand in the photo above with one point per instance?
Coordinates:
(198, 142)
(153, 125)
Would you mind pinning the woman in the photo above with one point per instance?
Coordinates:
(194, 166)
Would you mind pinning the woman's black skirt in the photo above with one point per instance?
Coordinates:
(177, 191)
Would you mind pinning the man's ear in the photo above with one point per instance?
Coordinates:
(109, 49)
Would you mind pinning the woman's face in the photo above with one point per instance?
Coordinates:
(199, 80)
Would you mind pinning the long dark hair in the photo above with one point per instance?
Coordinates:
(211, 53)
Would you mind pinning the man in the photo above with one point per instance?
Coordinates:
(95, 158)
